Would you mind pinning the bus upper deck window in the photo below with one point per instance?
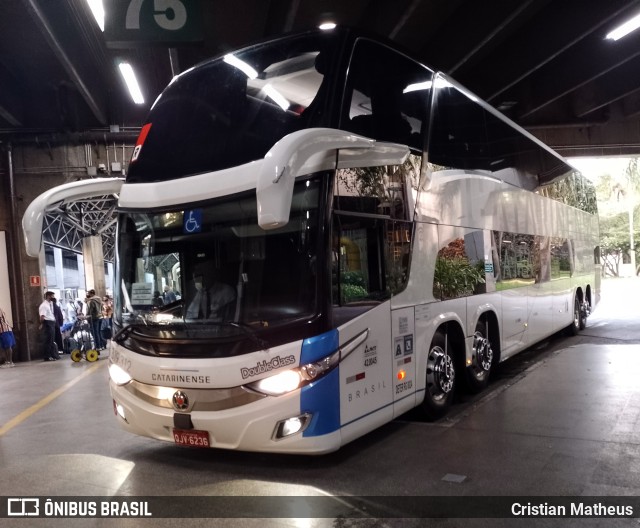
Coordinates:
(387, 95)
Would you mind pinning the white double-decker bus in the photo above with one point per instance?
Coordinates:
(344, 234)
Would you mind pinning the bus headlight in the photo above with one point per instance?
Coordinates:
(293, 379)
(281, 383)
(118, 375)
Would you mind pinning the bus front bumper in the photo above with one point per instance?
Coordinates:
(255, 426)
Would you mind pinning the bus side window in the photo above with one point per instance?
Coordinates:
(370, 259)
(358, 261)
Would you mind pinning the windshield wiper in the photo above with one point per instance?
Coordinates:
(123, 333)
(250, 332)
(246, 330)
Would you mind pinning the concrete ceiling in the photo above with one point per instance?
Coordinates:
(545, 63)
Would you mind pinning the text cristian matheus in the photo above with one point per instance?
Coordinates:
(576, 509)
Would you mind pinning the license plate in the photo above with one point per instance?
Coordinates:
(191, 438)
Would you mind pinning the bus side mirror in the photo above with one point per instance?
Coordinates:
(311, 150)
(49, 200)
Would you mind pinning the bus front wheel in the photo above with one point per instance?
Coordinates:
(441, 378)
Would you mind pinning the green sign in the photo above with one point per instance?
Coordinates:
(152, 21)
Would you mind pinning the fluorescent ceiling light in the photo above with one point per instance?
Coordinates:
(625, 29)
(326, 26)
(98, 12)
(276, 96)
(415, 87)
(241, 65)
(129, 77)
(427, 85)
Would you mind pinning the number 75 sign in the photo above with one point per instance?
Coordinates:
(152, 21)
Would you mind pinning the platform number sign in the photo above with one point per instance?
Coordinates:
(152, 21)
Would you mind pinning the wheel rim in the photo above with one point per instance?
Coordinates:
(92, 355)
(576, 314)
(76, 355)
(440, 373)
(483, 353)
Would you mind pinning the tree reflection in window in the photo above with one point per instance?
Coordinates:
(521, 261)
(530, 259)
(372, 231)
(455, 276)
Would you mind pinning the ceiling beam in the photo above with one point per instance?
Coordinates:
(589, 60)
(294, 5)
(631, 105)
(621, 82)
(94, 99)
(11, 107)
(542, 41)
(610, 139)
(404, 18)
(496, 30)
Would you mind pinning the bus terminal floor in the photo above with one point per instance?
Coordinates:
(567, 423)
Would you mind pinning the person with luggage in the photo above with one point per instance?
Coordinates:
(94, 313)
(107, 318)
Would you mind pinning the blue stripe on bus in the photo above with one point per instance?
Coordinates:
(319, 347)
(322, 398)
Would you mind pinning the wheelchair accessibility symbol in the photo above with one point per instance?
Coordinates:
(193, 221)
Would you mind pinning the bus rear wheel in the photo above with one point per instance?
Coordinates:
(478, 372)
(441, 378)
(585, 310)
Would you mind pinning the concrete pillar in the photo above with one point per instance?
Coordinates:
(110, 270)
(94, 264)
(59, 269)
(82, 284)
(22, 296)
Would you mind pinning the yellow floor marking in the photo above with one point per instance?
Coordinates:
(47, 399)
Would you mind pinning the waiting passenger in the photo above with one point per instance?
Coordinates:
(7, 341)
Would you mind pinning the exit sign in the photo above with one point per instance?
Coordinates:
(132, 22)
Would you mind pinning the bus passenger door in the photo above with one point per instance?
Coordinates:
(404, 360)
(361, 312)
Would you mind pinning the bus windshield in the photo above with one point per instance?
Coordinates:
(232, 110)
(209, 276)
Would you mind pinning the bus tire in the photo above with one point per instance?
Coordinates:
(575, 327)
(585, 309)
(441, 378)
(477, 374)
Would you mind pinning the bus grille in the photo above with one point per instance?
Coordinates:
(199, 399)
